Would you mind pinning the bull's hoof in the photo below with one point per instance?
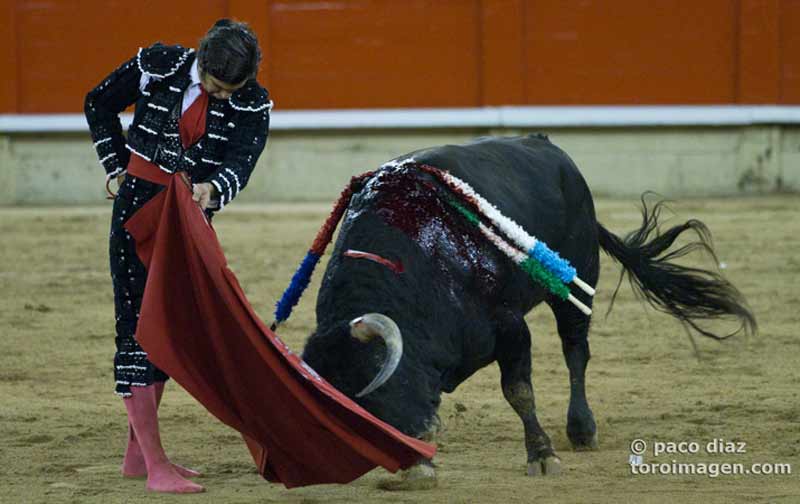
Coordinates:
(418, 477)
(549, 466)
(587, 443)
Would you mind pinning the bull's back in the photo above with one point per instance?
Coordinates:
(527, 178)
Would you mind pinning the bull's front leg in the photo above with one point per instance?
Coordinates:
(513, 353)
(420, 476)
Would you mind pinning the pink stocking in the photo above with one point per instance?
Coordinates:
(133, 465)
(142, 409)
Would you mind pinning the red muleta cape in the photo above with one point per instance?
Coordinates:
(196, 324)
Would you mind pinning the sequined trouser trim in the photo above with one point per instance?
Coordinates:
(128, 275)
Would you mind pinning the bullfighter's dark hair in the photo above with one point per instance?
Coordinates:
(684, 292)
(229, 51)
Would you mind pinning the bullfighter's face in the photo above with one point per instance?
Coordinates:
(217, 88)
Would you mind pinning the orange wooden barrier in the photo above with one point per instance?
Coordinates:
(425, 53)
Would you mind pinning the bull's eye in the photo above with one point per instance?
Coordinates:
(395, 266)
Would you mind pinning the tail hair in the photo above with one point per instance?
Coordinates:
(688, 294)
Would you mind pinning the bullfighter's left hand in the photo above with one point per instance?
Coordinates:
(202, 193)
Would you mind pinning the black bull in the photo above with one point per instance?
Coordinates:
(459, 303)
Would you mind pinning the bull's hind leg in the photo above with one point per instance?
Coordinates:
(573, 328)
(513, 353)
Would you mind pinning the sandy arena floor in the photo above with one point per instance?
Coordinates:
(62, 429)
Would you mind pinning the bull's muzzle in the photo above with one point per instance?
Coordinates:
(364, 329)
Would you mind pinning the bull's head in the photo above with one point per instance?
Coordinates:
(358, 357)
(364, 358)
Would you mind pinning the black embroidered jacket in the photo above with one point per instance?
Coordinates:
(236, 129)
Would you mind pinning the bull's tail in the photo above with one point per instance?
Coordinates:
(687, 293)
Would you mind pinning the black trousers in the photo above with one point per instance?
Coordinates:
(128, 275)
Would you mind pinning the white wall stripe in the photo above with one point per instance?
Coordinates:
(485, 117)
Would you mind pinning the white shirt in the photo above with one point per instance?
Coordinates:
(191, 93)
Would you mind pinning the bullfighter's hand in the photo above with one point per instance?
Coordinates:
(120, 179)
(202, 194)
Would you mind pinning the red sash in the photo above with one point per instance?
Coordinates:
(191, 127)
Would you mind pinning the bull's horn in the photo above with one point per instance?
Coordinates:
(368, 326)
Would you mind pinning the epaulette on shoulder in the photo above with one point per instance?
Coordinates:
(250, 98)
(161, 60)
